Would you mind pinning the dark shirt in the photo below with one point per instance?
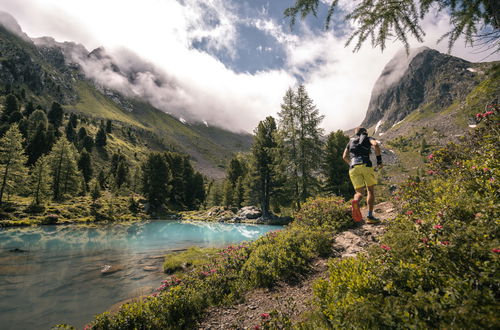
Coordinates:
(359, 148)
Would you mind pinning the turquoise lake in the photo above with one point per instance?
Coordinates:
(52, 274)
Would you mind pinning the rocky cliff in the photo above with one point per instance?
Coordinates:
(423, 78)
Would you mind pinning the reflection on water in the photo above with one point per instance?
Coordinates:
(52, 274)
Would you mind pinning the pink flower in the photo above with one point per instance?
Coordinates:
(425, 240)
(479, 115)
(495, 250)
(257, 327)
(438, 227)
(385, 247)
(430, 172)
(418, 221)
(473, 167)
(431, 156)
(264, 315)
(213, 271)
(409, 212)
(445, 242)
(486, 169)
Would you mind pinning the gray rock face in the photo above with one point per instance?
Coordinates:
(424, 78)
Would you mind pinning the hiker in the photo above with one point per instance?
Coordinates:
(361, 172)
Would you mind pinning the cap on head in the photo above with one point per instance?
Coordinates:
(360, 130)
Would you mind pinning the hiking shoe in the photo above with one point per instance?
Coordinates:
(356, 212)
(371, 220)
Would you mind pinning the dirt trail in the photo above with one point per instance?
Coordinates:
(295, 298)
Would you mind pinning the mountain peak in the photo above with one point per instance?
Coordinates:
(423, 77)
(10, 23)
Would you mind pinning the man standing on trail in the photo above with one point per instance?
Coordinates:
(362, 174)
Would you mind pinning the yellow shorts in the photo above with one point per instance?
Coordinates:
(362, 176)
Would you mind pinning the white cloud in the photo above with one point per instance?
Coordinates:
(162, 32)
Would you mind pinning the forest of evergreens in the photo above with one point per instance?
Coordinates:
(52, 155)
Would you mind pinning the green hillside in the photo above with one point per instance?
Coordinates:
(40, 74)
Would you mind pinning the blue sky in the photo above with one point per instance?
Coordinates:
(227, 62)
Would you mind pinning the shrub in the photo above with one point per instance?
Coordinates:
(330, 213)
(438, 263)
(50, 219)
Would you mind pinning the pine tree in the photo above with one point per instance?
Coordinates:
(227, 194)
(188, 183)
(55, 115)
(156, 177)
(101, 138)
(301, 134)
(95, 190)
(73, 120)
(85, 166)
(29, 108)
(37, 145)
(70, 132)
(381, 20)
(264, 170)
(109, 126)
(64, 169)
(122, 173)
(12, 160)
(11, 105)
(176, 164)
(234, 171)
(40, 180)
(334, 169)
(198, 190)
(239, 193)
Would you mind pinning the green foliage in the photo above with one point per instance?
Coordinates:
(437, 265)
(85, 166)
(330, 213)
(12, 159)
(40, 180)
(64, 169)
(11, 106)
(382, 20)
(156, 177)
(334, 169)
(101, 137)
(55, 115)
(192, 257)
(264, 166)
(301, 135)
(286, 257)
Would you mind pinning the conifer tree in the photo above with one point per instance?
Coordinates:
(227, 193)
(239, 193)
(379, 20)
(85, 166)
(12, 160)
(73, 120)
(235, 170)
(55, 115)
(188, 184)
(198, 190)
(156, 177)
(37, 145)
(64, 169)
(11, 105)
(334, 169)
(29, 108)
(70, 132)
(264, 169)
(109, 126)
(101, 138)
(301, 134)
(40, 180)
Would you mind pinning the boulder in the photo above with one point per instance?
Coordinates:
(249, 212)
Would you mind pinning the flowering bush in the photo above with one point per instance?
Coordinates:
(437, 266)
(331, 213)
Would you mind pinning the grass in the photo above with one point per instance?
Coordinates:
(78, 210)
(191, 258)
